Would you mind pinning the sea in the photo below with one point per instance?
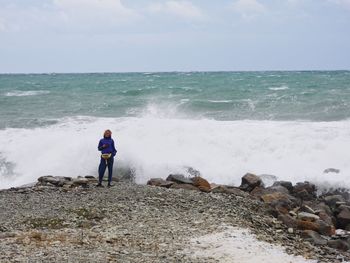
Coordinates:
(278, 124)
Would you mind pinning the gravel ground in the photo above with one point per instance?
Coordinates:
(130, 223)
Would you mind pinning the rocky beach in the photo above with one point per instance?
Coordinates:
(63, 219)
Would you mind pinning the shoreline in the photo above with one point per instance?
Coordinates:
(134, 223)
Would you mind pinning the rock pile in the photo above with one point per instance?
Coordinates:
(322, 220)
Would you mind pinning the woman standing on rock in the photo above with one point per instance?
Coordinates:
(108, 151)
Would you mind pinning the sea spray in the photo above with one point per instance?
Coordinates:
(222, 151)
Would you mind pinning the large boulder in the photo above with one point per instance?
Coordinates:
(285, 184)
(318, 226)
(308, 216)
(53, 180)
(201, 183)
(343, 218)
(179, 178)
(304, 191)
(276, 196)
(333, 200)
(250, 181)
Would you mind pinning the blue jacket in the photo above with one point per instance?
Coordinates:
(106, 145)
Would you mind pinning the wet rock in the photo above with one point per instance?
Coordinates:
(326, 218)
(277, 196)
(285, 184)
(343, 218)
(318, 226)
(179, 178)
(307, 209)
(289, 221)
(80, 182)
(308, 216)
(53, 180)
(229, 190)
(184, 186)
(332, 200)
(304, 191)
(159, 182)
(313, 237)
(250, 181)
(338, 244)
(201, 183)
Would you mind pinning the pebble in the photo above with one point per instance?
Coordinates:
(129, 223)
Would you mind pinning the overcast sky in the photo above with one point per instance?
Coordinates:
(173, 35)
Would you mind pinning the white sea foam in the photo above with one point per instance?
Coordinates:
(222, 151)
(220, 101)
(284, 87)
(239, 245)
(19, 93)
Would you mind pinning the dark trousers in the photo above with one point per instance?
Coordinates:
(102, 168)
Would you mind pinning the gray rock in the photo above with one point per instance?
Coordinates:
(250, 181)
(314, 237)
(179, 178)
(159, 182)
(285, 184)
(307, 216)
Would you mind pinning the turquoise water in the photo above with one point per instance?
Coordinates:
(36, 100)
(292, 125)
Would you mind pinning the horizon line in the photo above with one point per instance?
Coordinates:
(170, 71)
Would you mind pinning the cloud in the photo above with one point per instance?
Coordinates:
(2, 25)
(183, 9)
(248, 8)
(97, 12)
(342, 3)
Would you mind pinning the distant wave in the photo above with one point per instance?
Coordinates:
(279, 88)
(220, 101)
(19, 93)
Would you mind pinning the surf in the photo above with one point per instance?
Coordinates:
(222, 151)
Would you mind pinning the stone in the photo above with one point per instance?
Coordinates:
(289, 221)
(250, 181)
(308, 216)
(277, 196)
(159, 182)
(343, 218)
(307, 209)
(223, 189)
(184, 186)
(313, 237)
(285, 184)
(326, 218)
(304, 191)
(338, 244)
(80, 182)
(317, 226)
(331, 200)
(201, 183)
(179, 178)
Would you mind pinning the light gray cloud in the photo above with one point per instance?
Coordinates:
(343, 3)
(184, 9)
(84, 13)
(248, 9)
